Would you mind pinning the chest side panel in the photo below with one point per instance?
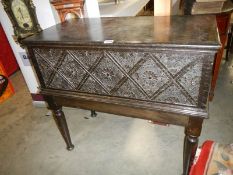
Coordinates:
(172, 77)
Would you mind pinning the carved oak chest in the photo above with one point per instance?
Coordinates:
(156, 68)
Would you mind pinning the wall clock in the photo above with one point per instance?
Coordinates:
(23, 17)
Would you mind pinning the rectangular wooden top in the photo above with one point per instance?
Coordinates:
(175, 31)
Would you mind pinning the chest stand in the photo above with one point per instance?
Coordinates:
(192, 132)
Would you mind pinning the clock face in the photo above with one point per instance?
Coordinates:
(21, 14)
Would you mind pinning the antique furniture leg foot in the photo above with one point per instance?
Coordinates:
(62, 125)
(60, 119)
(192, 132)
(190, 146)
(93, 113)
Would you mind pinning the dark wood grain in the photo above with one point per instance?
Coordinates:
(155, 79)
(156, 68)
(119, 109)
(60, 119)
(192, 132)
(192, 31)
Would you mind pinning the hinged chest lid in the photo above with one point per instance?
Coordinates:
(175, 31)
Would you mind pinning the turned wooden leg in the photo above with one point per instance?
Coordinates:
(60, 119)
(229, 41)
(192, 132)
(190, 146)
(93, 113)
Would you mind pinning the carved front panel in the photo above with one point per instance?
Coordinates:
(159, 76)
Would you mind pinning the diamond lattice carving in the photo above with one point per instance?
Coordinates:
(108, 73)
(150, 75)
(153, 76)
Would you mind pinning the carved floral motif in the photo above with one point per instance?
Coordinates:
(158, 76)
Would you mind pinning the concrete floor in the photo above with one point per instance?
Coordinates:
(30, 143)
